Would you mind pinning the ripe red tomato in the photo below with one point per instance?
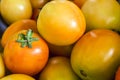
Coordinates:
(26, 52)
(61, 22)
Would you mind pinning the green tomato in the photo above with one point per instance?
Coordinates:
(102, 14)
(12, 10)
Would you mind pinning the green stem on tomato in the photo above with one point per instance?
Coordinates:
(26, 40)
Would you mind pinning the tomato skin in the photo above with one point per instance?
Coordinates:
(26, 60)
(12, 11)
(64, 29)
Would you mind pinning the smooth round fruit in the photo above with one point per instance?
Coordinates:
(24, 24)
(61, 22)
(17, 77)
(12, 10)
(99, 16)
(96, 56)
(2, 66)
(58, 68)
(26, 53)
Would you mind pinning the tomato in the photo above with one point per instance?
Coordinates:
(17, 26)
(79, 2)
(0, 7)
(17, 77)
(96, 55)
(117, 75)
(35, 14)
(12, 10)
(61, 22)
(58, 68)
(26, 52)
(38, 3)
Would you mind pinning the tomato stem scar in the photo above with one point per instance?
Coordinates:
(26, 40)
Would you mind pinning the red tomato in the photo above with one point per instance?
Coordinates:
(29, 58)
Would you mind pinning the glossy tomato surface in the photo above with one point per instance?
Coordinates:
(58, 68)
(96, 55)
(28, 59)
(12, 10)
(61, 22)
(24, 24)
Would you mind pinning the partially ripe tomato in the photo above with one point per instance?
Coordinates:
(26, 52)
(38, 3)
(58, 68)
(61, 22)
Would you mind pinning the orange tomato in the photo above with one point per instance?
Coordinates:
(61, 22)
(17, 26)
(38, 3)
(27, 55)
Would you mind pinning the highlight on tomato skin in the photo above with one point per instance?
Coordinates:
(26, 53)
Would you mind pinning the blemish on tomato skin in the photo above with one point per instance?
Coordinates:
(83, 73)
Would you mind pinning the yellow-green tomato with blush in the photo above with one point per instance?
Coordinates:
(12, 10)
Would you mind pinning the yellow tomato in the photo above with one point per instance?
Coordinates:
(61, 22)
(12, 10)
(17, 77)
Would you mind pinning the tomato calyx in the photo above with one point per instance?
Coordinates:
(26, 39)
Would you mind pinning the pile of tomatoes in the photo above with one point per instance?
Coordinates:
(59, 40)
